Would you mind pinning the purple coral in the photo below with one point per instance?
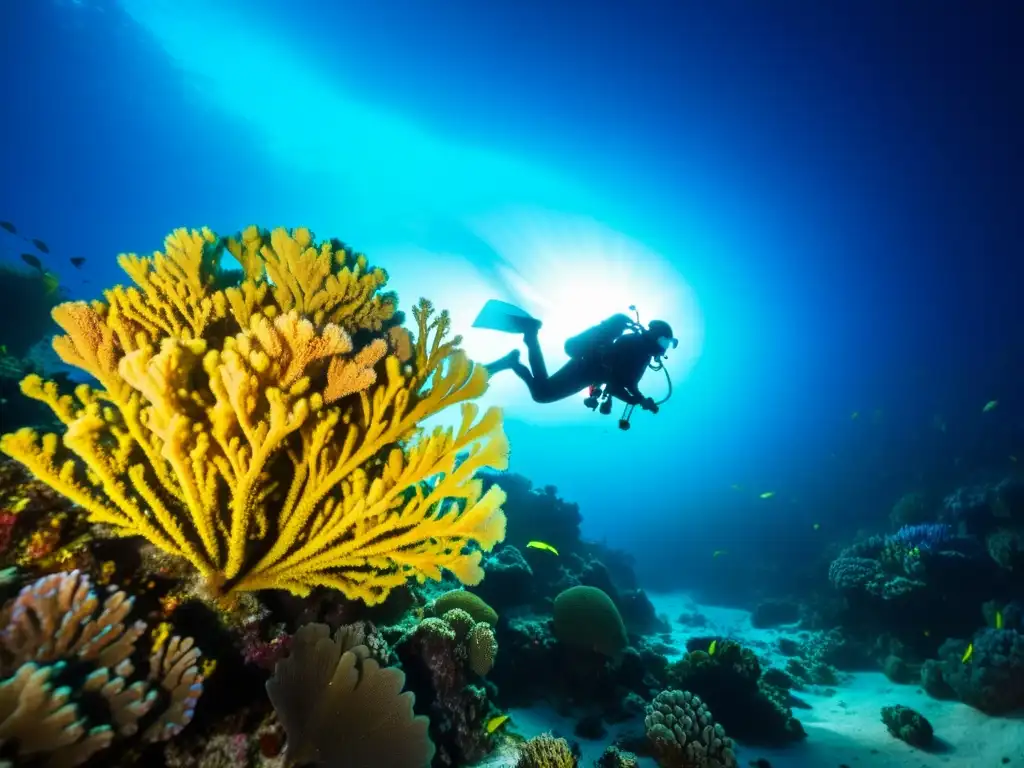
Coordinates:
(924, 536)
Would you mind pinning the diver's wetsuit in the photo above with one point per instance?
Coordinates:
(619, 366)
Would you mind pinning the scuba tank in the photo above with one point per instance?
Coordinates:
(586, 344)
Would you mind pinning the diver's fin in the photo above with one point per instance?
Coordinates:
(508, 318)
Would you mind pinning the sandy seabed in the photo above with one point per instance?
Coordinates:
(843, 728)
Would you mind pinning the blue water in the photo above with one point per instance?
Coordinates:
(823, 199)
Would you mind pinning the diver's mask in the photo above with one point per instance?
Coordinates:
(665, 344)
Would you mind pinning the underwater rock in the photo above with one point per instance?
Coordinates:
(912, 508)
(933, 682)
(897, 670)
(613, 757)
(1006, 548)
(907, 725)
(536, 515)
(508, 579)
(639, 614)
(692, 619)
(590, 727)
(773, 612)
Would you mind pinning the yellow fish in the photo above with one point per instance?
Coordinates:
(999, 619)
(991, 405)
(712, 647)
(737, 487)
(719, 552)
(927, 633)
(767, 494)
(817, 526)
(855, 415)
(496, 722)
(542, 545)
(968, 653)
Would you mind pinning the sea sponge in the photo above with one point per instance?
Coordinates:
(467, 601)
(482, 648)
(683, 733)
(545, 751)
(907, 725)
(587, 618)
(340, 707)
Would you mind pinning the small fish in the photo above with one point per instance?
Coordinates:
(991, 405)
(767, 494)
(3, 349)
(1013, 459)
(50, 282)
(9, 227)
(968, 653)
(77, 261)
(736, 487)
(712, 647)
(855, 415)
(999, 619)
(32, 261)
(817, 526)
(542, 545)
(927, 633)
(720, 552)
(496, 722)
(41, 245)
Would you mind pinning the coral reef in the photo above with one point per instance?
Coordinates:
(340, 707)
(907, 725)
(264, 424)
(445, 660)
(992, 677)
(69, 687)
(683, 733)
(729, 680)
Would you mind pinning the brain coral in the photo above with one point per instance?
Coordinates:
(587, 618)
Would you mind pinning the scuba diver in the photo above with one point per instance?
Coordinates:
(605, 359)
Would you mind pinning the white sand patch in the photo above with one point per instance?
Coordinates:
(842, 729)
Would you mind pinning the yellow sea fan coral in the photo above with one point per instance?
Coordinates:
(265, 424)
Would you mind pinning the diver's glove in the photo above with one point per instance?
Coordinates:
(648, 404)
